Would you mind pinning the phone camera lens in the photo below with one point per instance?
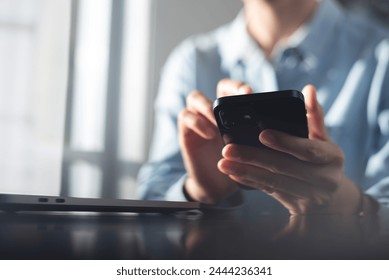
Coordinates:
(227, 121)
(247, 117)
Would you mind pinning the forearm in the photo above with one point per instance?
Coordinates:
(161, 181)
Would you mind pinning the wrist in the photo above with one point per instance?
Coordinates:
(367, 205)
(186, 193)
(193, 192)
(213, 194)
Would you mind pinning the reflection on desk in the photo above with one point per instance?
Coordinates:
(192, 236)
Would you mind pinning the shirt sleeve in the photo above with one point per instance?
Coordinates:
(163, 177)
(377, 168)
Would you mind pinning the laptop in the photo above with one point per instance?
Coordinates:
(45, 203)
(22, 202)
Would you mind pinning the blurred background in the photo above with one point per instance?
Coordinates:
(77, 84)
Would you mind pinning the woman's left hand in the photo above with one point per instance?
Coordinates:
(305, 175)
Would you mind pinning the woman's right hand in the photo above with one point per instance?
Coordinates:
(201, 145)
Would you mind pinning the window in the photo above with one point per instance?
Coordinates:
(106, 105)
(62, 94)
(33, 78)
(77, 82)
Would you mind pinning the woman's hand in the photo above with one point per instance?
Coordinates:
(304, 175)
(201, 145)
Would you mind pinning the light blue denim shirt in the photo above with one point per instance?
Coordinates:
(345, 56)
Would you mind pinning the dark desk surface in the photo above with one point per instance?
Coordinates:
(227, 236)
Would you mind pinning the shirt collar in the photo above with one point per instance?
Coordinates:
(237, 46)
(236, 42)
(321, 30)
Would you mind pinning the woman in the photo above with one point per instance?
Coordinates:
(272, 45)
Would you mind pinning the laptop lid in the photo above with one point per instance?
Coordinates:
(17, 202)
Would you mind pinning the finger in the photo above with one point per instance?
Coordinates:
(296, 205)
(274, 161)
(228, 87)
(316, 126)
(290, 202)
(257, 178)
(324, 177)
(198, 103)
(196, 123)
(313, 151)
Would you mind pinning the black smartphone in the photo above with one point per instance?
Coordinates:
(241, 118)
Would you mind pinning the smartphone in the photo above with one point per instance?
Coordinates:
(241, 118)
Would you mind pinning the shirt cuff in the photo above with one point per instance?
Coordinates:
(176, 192)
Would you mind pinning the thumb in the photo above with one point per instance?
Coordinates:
(316, 126)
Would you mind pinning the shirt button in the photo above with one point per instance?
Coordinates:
(290, 58)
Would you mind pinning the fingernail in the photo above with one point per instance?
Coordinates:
(225, 168)
(228, 170)
(210, 133)
(244, 89)
(231, 152)
(268, 137)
